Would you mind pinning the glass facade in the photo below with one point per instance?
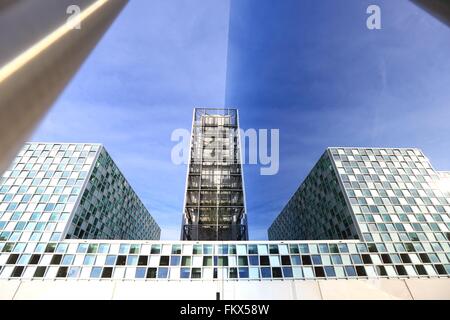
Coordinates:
(56, 191)
(398, 203)
(215, 201)
(318, 209)
(264, 260)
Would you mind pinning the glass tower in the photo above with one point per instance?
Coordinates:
(56, 191)
(214, 207)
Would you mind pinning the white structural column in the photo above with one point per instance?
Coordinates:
(40, 51)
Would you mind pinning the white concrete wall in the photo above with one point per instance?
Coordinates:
(253, 290)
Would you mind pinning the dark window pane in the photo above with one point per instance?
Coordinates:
(366, 259)
(386, 258)
(440, 269)
(421, 270)
(273, 249)
(381, 271)
(223, 261)
(424, 257)
(107, 272)
(62, 272)
(264, 260)
(17, 272)
(319, 272)
(143, 260)
(242, 261)
(121, 260)
(276, 272)
(361, 271)
(40, 272)
(233, 273)
(164, 261)
(405, 258)
(56, 259)
(12, 259)
(151, 273)
(207, 261)
(156, 249)
(307, 260)
(196, 273)
(401, 270)
(285, 260)
(252, 249)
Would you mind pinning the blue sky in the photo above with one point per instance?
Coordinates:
(310, 68)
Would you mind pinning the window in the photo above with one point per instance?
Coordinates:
(107, 272)
(329, 271)
(350, 270)
(184, 273)
(319, 272)
(266, 272)
(143, 260)
(17, 271)
(156, 249)
(174, 260)
(151, 273)
(121, 260)
(186, 261)
(287, 272)
(242, 261)
(164, 261)
(132, 260)
(140, 272)
(253, 260)
(96, 272)
(276, 272)
(62, 272)
(89, 260)
(243, 273)
(40, 272)
(196, 273)
(207, 261)
(12, 259)
(56, 259)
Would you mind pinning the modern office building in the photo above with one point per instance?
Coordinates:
(398, 204)
(214, 206)
(388, 195)
(57, 191)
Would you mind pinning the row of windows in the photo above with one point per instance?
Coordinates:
(228, 250)
(49, 191)
(175, 273)
(197, 261)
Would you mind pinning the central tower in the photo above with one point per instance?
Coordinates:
(214, 204)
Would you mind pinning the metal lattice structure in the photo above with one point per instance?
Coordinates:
(214, 206)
